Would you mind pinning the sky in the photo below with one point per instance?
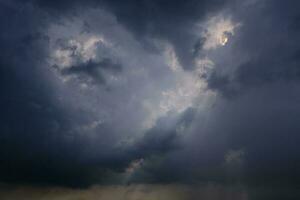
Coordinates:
(149, 99)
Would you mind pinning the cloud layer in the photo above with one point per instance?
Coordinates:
(106, 92)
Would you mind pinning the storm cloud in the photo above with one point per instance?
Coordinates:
(149, 92)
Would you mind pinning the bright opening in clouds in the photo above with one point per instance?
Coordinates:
(217, 32)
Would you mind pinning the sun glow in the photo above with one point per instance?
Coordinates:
(223, 40)
(217, 31)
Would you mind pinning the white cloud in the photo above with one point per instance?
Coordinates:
(171, 58)
(78, 50)
(216, 32)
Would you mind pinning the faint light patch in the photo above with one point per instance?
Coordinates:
(217, 31)
(171, 58)
(234, 163)
(134, 165)
(89, 129)
(93, 125)
(132, 168)
(181, 129)
(75, 51)
(203, 66)
(84, 86)
(234, 157)
(126, 143)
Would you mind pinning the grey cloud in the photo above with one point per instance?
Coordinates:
(270, 47)
(53, 133)
(260, 93)
(92, 69)
(167, 20)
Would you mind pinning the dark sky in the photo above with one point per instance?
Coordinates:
(149, 92)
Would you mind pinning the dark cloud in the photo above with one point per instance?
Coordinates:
(92, 69)
(30, 120)
(270, 45)
(258, 106)
(163, 19)
(51, 132)
(167, 20)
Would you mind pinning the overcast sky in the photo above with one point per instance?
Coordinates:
(159, 94)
